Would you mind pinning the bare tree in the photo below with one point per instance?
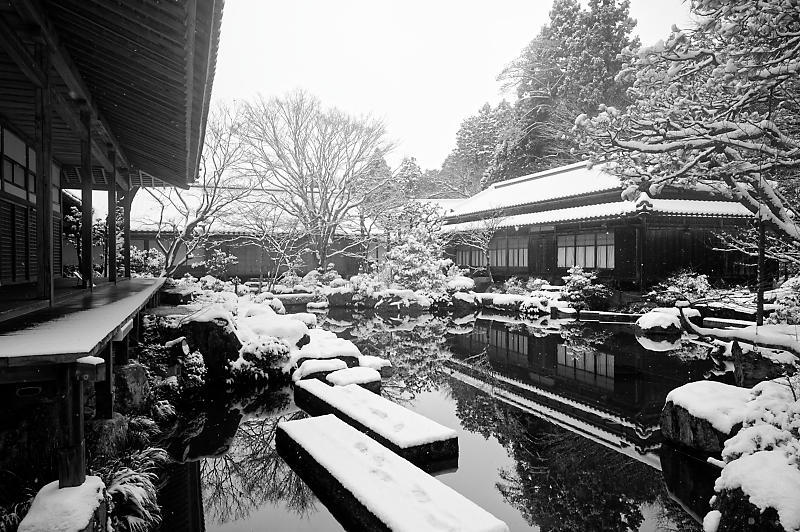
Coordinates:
(479, 236)
(184, 218)
(317, 158)
(278, 236)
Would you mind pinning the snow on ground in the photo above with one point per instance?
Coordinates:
(770, 479)
(282, 327)
(398, 493)
(720, 404)
(460, 283)
(65, 509)
(357, 375)
(397, 424)
(371, 361)
(309, 367)
(306, 317)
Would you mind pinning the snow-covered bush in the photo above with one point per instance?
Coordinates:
(330, 274)
(147, 261)
(258, 356)
(787, 303)
(209, 282)
(581, 291)
(515, 285)
(289, 279)
(193, 373)
(535, 284)
(685, 284)
(218, 262)
(417, 263)
(338, 283)
(459, 283)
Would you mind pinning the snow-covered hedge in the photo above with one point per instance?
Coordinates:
(258, 356)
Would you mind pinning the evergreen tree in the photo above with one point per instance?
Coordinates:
(570, 68)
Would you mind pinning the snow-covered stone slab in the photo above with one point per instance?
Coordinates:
(412, 436)
(370, 487)
(66, 509)
(314, 367)
(381, 364)
(365, 377)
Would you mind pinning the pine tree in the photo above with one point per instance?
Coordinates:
(570, 68)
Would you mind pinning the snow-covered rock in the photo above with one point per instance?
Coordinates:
(459, 283)
(282, 327)
(311, 367)
(357, 375)
(65, 509)
(702, 415)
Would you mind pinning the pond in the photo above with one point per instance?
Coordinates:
(557, 426)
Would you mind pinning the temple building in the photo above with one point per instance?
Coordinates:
(546, 222)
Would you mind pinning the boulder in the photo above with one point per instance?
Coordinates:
(337, 299)
(133, 393)
(738, 513)
(685, 430)
(751, 367)
(217, 342)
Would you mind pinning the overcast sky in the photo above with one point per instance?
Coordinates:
(420, 65)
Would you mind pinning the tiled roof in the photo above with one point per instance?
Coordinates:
(672, 207)
(564, 182)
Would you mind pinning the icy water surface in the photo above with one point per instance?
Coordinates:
(557, 427)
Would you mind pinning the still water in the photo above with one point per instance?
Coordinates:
(557, 426)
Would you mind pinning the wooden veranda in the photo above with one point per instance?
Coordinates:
(94, 95)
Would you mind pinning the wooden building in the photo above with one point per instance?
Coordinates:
(94, 95)
(575, 215)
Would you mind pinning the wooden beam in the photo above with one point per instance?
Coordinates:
(87, 268)
(33, 12)
(44, 183)
(191, 22)
(111, 224)
(20, 55)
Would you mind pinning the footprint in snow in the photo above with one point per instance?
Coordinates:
(381, 474)
(398, 427)
(361, 446)
(379, 413)
(420, 494)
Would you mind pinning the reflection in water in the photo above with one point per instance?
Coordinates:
(559, 425)
(252, 474)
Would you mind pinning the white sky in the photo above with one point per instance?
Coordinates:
(421, 66)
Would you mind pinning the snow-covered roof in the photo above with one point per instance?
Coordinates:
(673, 207)
(563, 182)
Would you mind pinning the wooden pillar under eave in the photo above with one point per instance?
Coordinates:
(72, 452)
(44, 183)
(126, 229)
(111, 220)
(87, 268)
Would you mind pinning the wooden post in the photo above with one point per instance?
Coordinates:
(87, 268)
(761, 274)
(111, 220)
(44, 183)
(126, 229)
(120, 350)
(104, 390)
(72, 454)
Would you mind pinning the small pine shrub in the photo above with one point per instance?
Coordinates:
(685, 284)
(581, 291)
(259, 356)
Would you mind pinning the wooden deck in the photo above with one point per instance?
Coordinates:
(77, 326)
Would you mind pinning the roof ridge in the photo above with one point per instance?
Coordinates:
(543, 173)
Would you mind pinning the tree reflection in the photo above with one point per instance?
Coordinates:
(562, 481)
(252, 474)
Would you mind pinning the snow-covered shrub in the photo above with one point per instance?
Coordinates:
(209, 282)
(787, 303)
(459, 283)
(581, 291)
(535, 284)
(311, 279)
(417, 263)
(193, 373)
(146, 261)
(339, 282)
(685, 284)
(258, 356)
(514, 285)
(277, 305)
(365, 284)
(330, 274)
(218, 262)
(289, 279)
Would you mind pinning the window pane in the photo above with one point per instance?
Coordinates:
(583, 240)
(562, 257)
(580, 256)
(8, 170)
(19, 176)
(565, 240)
(590, 257)
(601, 256)
(610, 255)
